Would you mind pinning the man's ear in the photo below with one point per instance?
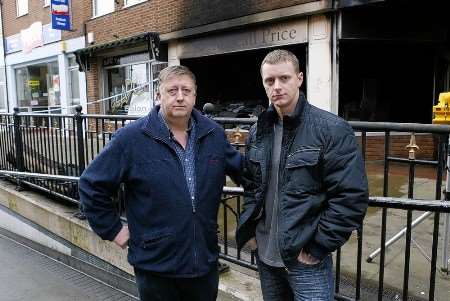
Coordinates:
(300, 78)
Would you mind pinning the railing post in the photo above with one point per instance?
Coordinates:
(80, 139)
(18, 141)
(446, 235)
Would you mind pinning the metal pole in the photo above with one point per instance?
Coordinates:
(445, 249)
(398, 235)
(80, 139)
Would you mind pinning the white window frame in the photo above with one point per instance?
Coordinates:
(128, 3)
(24, 5)
(95, 3)
(46, 3)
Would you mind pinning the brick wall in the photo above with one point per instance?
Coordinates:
(397, 147)
(170, 15)
(93, 90)
(37, 12)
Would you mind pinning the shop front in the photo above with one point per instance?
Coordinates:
(45, 78)
(38, 86)
(128, 83)
(127, 71)
(227, 64)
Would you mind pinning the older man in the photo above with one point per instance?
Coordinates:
(305, 188)
(173, 163)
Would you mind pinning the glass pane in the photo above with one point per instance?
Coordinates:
(53, 82)
(121, 82)
(2, 74)
(2, 97)
(22, 7)
(103, 7)
(72, 62)
(25, 87)
(74, 87)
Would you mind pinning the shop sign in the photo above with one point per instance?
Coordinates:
(286, 33)
(49, 34)
(61, 15)
(33, 83)
(126, 60)
(13, 44)
(31, 37)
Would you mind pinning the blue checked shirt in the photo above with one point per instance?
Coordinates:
(186, 156)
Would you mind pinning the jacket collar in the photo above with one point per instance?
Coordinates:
(155, 128)
(270, 116)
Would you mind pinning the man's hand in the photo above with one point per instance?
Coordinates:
(122, 237)
(306, 258)
(252, 244)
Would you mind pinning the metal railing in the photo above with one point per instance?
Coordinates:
(50, 151)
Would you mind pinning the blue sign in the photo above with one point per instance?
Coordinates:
(61, 15)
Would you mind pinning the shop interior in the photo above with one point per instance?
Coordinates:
(386, 82)
(232, 82)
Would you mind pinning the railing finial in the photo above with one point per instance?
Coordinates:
(413, 147)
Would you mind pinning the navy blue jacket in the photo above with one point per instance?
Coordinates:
(322, 188)
(166, 236)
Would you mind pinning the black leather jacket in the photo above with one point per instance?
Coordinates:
(322, 191)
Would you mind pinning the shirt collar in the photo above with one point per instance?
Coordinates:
(190, 123)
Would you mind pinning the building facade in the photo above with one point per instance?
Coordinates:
(41, 68)
(360, 58)
(369, 60)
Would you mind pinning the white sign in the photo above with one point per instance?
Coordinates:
(286, 33)
(31, 37)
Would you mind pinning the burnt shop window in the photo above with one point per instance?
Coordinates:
(38, 87)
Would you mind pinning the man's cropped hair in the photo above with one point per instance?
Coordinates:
(281, 56)
(170, 71)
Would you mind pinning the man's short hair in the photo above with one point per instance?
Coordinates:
(170, 71)
(281, 56)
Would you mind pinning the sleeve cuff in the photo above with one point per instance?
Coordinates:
(110, 235)
(316, 250)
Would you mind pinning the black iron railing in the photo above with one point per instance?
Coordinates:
(50, 151)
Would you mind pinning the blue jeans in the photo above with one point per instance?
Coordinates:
(298, 282)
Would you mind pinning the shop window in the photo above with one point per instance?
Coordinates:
(102, 7)
(130, 86)
(38, 87)
(133, 2)
(21, 7)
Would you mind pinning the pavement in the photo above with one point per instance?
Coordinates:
(28, 275)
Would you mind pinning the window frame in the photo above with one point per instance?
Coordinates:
(95, 14)
(127, 4)
(18, 6)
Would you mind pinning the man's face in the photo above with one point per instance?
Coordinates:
(282, 84)
(177, 96)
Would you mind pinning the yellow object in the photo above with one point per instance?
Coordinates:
(33, 83)
(441, 111)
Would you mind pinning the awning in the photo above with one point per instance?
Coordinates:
(151, 38)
